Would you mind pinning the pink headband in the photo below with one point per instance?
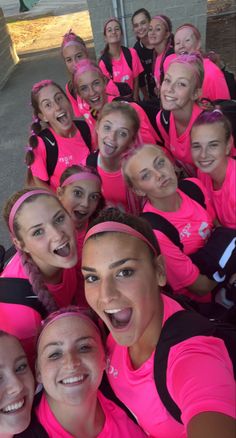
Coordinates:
(158, 17)
(73, 43)
(119, 228)
(65, 314)
(108, 21)
(80, 176)
(20, 201)
(84, 66)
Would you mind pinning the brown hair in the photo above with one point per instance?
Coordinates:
(123, 107)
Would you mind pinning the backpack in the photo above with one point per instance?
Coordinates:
(52, 147)
(217, 258)
(92, 159)
(19, 291)
(123, 87)
(183, 325)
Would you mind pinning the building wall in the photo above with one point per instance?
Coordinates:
(179, 11)
(8, 55)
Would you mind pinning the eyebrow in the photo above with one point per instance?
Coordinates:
(60, 343)
(112, 265)
(48, 99)
(23, 356)
(39, 225)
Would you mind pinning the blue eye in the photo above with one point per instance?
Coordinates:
(38, 232)
(60, 219)
(55, 355)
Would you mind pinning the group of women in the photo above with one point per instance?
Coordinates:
(111, 147)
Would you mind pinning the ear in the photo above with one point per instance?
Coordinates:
(60, 192)
(229, 146)
(197, 94)
(42, 117)
(160, 270)
(138, 192)
(37, 373)
(18, 243)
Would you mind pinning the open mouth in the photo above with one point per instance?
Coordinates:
(95, 100)
(13, 407)
(119, 318)
(109, 148)
(80, 216)
(63, 250)
(76, 380)
(62, 118)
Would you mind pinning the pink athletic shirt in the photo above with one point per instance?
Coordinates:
(117, 423)
(73, 102)
(23, 321)
(194, 225)
(223, 199)
(199, 378)
(180, 146)
(121, 70)
(70, 151)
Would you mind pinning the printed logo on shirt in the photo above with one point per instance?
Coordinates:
(185, 231)
(52, 143)
(125, 78)
(110, 369)
(204, 231)
(66, 160)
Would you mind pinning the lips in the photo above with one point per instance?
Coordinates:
(109, 148)
(119, 318)
(13, 407)
(63, 118)
(63, 250)
(75, 380)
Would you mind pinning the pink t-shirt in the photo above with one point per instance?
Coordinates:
(223, 199)
(117, 423)
(114, 188)
(121, 70)
(23, 321)
(180, 146)
(73, 102)
(70, 151)
(194, 225)
(199, 378)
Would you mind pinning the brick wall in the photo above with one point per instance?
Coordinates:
(8, 55)
(179, 11)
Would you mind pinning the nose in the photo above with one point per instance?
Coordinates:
(55, 233)
(84, 201)
(111, 135)
(108, 291)
(14, 386)
(71, 360)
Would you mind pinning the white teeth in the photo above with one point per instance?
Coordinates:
(73, 380)
(61, 114)
(95, 99)
(169, 98)
(14, 406)
(61, 246)
(112, 310)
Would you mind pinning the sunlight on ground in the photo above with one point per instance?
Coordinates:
(46, 33)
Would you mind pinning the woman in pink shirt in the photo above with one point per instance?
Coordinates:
(70, 364)
(44, 236)
(90, 84)
(53, 112)
(123, 272)
(180, 92)
(16, 387)
(114, 52)
(151, 174)
(211, 146)
(160, 36)
(117, 130)
(80, 194)
(188, 40)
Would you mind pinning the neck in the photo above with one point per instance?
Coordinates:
(182, 117)
(115, 50)
(218, 175)
(51, 274)
(109, 164)
(72, 417)
(170, 203)
(146, 344)
(160, 47)
(145, 42)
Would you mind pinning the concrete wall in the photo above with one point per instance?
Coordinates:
(180, 11)
(8, 55)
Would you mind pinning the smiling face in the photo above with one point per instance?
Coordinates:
(91, 87)
(121, 285)
(115, 134)
(178, 90)
(152, 174)
(72, 54)
(113, 33)
(16, 387)
(81, 199)
(47, 233)
(140, 26)
(186, 41)
(71, 361)
(157, 32)
(210, 148)
(55, 109)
